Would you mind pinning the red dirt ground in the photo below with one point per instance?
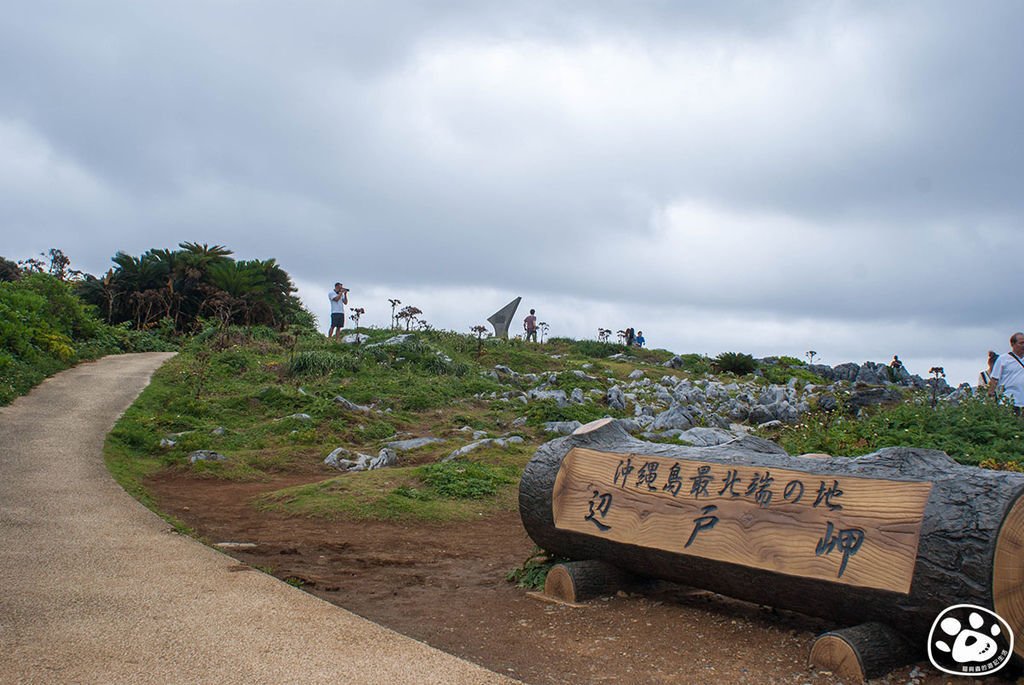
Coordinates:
(445, 585)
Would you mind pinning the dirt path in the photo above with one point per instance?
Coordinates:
(444, 584)
(96, 589)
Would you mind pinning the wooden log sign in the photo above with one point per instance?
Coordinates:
(836, 527)
(894, 537)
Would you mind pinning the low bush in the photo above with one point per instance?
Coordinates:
(736, 363)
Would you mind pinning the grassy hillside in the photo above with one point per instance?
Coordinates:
(45, 328)
(269, 403)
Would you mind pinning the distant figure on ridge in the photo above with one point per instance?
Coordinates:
(640, 339)
(985, 376)
(630, 337)
(530, 326)
(1008, 373)
(895, 369)
(339, 298)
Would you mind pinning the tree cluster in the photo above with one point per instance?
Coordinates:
(194, 282)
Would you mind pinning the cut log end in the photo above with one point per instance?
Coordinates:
(869, 650)
(832, 653)
(595, 425)
(578, 581)
(1008, 571)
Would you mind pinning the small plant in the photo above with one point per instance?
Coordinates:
(811, 354)
(481, 333)
(543, 326)
(394, 317)
(534, 571)
(408, 314)
(734, 362)
(937, 372)
(603, 333)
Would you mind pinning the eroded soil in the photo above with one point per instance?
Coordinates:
(445, 585)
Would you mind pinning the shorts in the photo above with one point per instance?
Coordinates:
(337, 319)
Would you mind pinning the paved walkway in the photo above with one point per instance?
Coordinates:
(94, 588)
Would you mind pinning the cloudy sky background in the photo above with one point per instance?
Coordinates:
(762, 177)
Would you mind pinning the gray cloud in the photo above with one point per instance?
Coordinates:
(838, 161)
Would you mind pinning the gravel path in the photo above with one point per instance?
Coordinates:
(94, 588)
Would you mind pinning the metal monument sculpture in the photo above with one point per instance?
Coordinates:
(502, 318)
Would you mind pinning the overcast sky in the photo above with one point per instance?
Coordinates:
(762, 177)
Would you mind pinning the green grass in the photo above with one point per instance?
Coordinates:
(974, 432)
(438, 492)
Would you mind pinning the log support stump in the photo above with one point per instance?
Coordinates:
(577, 581)
(865, 651)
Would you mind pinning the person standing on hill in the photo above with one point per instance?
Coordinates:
(530, 326)
(339, 298)
(640, 341)
(1008, 373)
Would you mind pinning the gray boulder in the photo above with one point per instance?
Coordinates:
(559, 396)
(845, 372)
(759, 414)
(396, 340)
(872, 374)
(576, 396)
(348, 405)
(495, 442)
(205, 455)
(340, 459)
(707, 437)
(412, 443)
(615, 398)
(561, 427)
(674, 363)
(863, 396)
(675, 417)
(299, 417)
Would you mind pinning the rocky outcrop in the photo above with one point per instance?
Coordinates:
(344, 460)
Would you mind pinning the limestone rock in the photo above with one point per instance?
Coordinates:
(561, 427)
(707, 437)
(558, 396)
(675, 417)
(496, 442)
(205, 455)
(616, 398)
(412, 443)
(348, 405)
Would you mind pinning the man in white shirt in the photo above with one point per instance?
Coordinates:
(1008, 373)
(339, 298)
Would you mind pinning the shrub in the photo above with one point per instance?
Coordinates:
(734, 362)
(540, 412)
